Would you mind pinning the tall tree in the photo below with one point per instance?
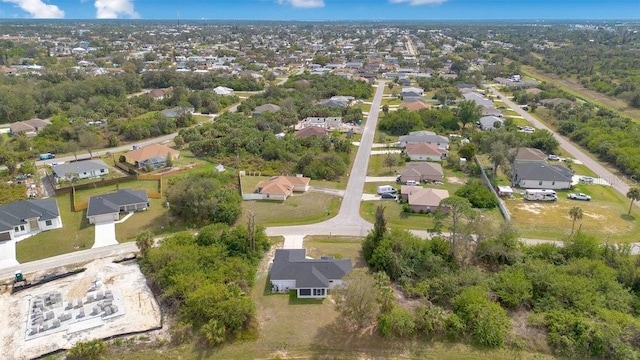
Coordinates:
(89, 141)
(356, 299)
(576, 214)
(458, 209)
(469, 112)
(634, 195)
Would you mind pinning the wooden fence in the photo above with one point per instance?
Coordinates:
(94, 185)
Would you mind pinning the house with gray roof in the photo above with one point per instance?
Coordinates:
(107, 207)
(489, 123)
(266, 107)
(28, 217)
(311, 278)
(426, 137)
(84, 169)
(539, 175)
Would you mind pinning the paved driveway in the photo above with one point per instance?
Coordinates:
(8, 254)
(105, 234)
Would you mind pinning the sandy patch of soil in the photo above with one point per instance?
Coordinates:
(140, 310)
(456, 180)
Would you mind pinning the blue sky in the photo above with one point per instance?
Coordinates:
(322, 9)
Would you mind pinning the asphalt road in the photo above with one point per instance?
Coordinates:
(621, 184)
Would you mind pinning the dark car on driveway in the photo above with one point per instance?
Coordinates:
(388, 196)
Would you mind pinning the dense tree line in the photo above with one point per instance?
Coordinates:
(193, 81)
(326, 86)
(235, 135)
(402, 122)
(204, 279)
(583, 296)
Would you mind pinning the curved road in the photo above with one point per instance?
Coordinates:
(620, 184)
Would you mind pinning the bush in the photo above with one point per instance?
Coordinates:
(455, 327)
(430, 321)
(512, 287)
(487, 321)
(397, 322)
(89, 350)
(478, 195)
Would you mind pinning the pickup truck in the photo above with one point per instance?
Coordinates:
(579, 196)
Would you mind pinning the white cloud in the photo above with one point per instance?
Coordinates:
(38, 9)
(113, 9)
(417, 2)
(303, 3)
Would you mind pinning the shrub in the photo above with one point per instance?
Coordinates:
(478, 195)
(89, 350)
(512, 287)
(397, 322)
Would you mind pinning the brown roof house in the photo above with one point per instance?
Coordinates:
(529, 155)
(421, 171)
(281, 187)
(154, 155)
(426, 199)
(413, 105)
(28, 127)
(316, 131)
(425, 152)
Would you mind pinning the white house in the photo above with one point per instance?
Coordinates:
(311, 278)
(223, 91)
(28, 217)
(488, 123)
(84, 169)
(425, 152)
(426, 137)
(534, 175)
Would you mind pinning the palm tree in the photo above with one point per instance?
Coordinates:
(634, 195)
(576, 214)
(144, 242)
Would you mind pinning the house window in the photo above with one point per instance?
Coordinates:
(18, 228)
(540, 182)
(318, 292)
(553, 183)
(304, 292)
(102, 171)
(48, 222)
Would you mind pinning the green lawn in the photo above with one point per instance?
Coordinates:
(377, 166)
(307, 208)
(340, 247)
(605, 216)
(391, 102)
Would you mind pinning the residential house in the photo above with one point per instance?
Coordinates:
(551, 103)
(425, 152)
(411, 92)
(160, 94)
(223, 91)
(29, 127)
(489, 123)
(424, 199)
(316, 131)
(84, 169)
(421, 171)
(310, 278)
(154, 155)
(487, 105)
(323, 122)
(28, 217)
(427, 137)
(266, 107)
(413, 105)
(334, 103)
(107, 207)
(404, 81)
(281, 187)
(538, 175)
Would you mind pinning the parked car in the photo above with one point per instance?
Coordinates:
(579, 196)
(553, 157)
(388, 196)
(412, 183)
(586, 179)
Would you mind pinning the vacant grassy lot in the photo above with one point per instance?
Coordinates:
(307, 208)
(605, 216)
(340, 247)
(377, 166)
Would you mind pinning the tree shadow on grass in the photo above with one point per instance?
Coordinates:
(627, 217)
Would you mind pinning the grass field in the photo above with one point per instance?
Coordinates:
(307, 208)
(605, 216)
(378, 168)
(149, 185)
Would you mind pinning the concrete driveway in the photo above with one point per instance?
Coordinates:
(105, 234)
(8, 254)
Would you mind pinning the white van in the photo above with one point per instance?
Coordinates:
(386, 189)
(412, 183)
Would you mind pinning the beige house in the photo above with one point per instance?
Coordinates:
(281, 187)
(422, 171)
(425, 152)
(425, 199)
(155, 155)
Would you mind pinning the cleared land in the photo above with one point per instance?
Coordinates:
(307, 208)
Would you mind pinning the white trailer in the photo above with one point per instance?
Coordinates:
(540, 195)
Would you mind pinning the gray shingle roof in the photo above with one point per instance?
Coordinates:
(291, 264)
(17, 212)
(542, 171)
(111, 203)
(79, 167)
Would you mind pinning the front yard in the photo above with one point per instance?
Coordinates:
(307, 208)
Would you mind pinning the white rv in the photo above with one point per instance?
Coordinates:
(540, 195)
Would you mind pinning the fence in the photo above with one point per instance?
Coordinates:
(501, 205)
(94, 185)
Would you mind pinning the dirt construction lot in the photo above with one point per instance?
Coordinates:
(59, 314)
